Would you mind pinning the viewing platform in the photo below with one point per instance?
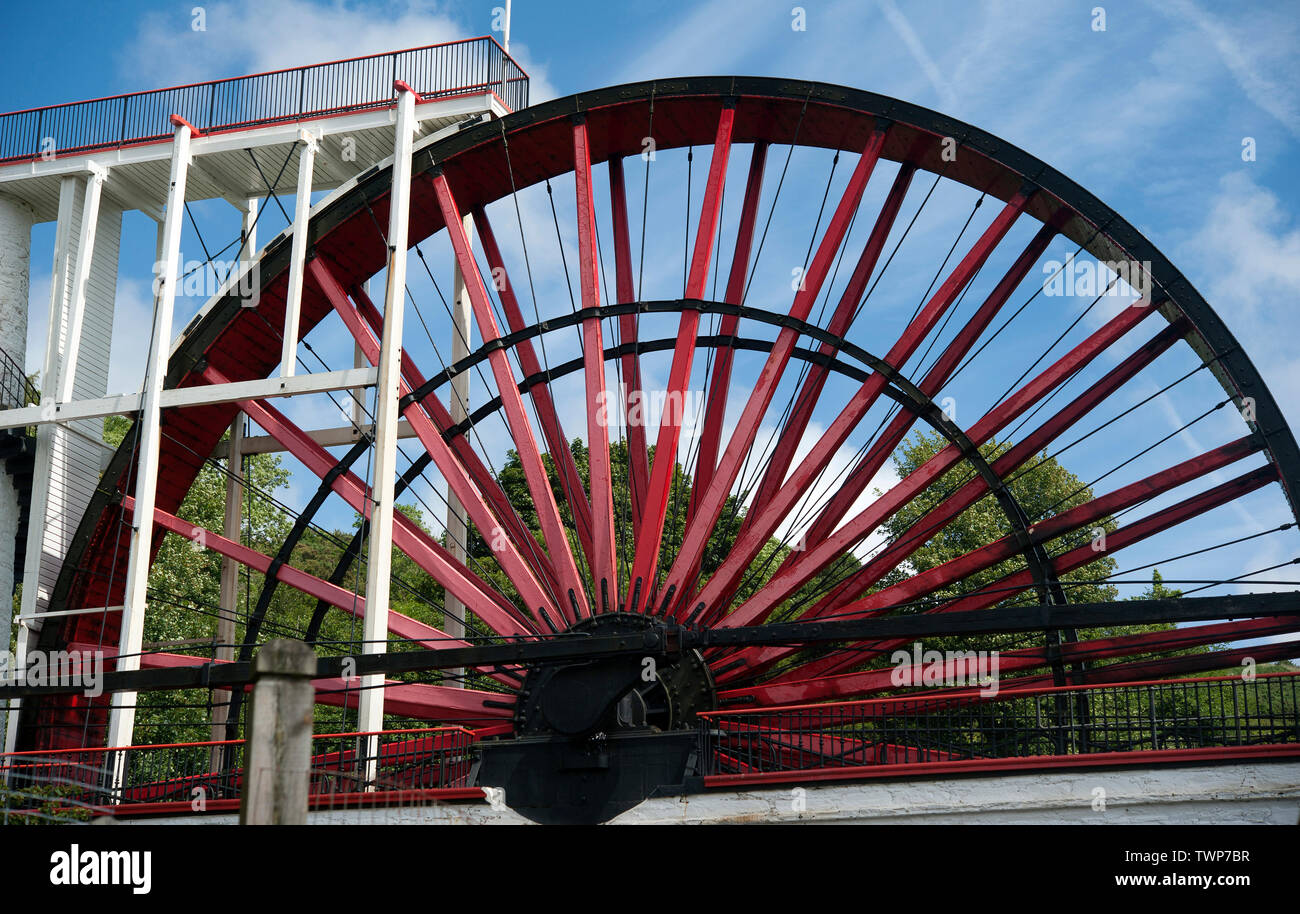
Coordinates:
(248, 126)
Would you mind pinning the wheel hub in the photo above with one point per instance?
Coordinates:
(595, 738)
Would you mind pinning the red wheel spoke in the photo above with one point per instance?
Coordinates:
(1174, 666)
(1142, 670)
(539, 485)
(1009, 586)
(762, 525)
(797, 424)
(637, 451)
(349, 602)
(603, 573)
(866, 469)
(484, 479)
(720, 380)
(346, 600)
(504, 549)
(685, 569)
(418, 700)
(939, 516)
(556, 442)
(1089, 512)
(650, 534)
(940, 576)
(869, 682)
(494, 609)
(798, 573)
(422, 701)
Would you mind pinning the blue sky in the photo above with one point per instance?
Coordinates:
(1149, 114)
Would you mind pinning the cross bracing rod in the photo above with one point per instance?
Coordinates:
(673, 639)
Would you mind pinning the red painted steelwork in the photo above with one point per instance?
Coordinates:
(686, 567)
(544, 404)
(487, 484)
(1008, 587)
(720, 380)
(650, 534)
(539, 486)
(504, 549)
(798, 573)
(602, 559)
(637, 450)
(715, 595)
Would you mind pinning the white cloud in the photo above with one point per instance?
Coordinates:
(1245, 258)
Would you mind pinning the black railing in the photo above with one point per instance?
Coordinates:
(1145, 717)
(435, 71)
(16, 391)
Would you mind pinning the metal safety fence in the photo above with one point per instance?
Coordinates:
(319, 90)
(1154, 717)
(71, 785)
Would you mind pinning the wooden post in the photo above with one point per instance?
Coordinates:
(277, 758)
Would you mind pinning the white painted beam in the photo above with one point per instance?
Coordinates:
(297, 255)
(58, 613)
(202, 395)
(121, 721)
(380, 546)
(130, 194)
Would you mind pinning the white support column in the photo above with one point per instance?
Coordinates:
(121, 721)
(298, 254)
(45, 435)
(457, 527)
(380, 546)
(67, 372)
